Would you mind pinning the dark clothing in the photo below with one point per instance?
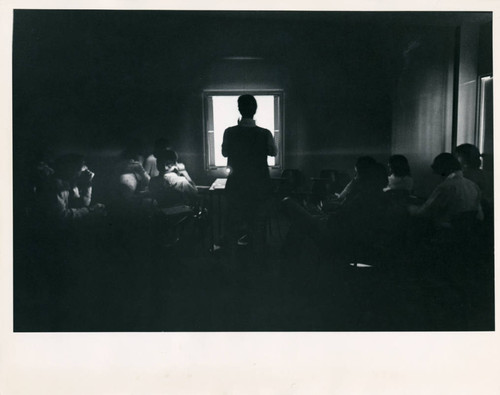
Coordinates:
(358, 222)
(247, 149)
(357, 225)
(62, 204)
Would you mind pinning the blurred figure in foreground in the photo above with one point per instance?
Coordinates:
(67, 197)
(173, 185)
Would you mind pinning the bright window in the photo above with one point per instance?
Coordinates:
(221, 112)
(485, 118)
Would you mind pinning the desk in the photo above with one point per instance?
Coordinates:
(217, 209)
(216, 212)
(218, 184)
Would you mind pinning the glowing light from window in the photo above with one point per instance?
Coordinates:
(226, 114)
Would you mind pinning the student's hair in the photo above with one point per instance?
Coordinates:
(444, 164)
(247, 105)
(165, 158)
(363, 163)
(469, 154)
(399, 165)
(66, 166)
(374, 177)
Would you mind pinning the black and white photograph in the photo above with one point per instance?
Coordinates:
(300, 173)
(252, 171)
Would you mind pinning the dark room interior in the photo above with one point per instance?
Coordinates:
(351, 84)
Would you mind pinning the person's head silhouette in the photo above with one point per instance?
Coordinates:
(444, 164)
(468, 155)
(247, 106)
(166, 161)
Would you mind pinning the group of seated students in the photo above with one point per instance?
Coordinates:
(63, 188)
(346, 221)
(375, 208)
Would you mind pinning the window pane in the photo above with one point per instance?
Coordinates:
(226, 114)
(486, 114)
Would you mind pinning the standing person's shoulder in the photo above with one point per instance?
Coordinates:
(231, 129)
(263, 131)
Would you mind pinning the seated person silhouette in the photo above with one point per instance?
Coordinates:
(353, 226)
(332, 202)
(399, 174)
(131, 177)
(246, 147)
(67, 197)
(173, 186)
(453, 197)
(362, 164)
(160, 144)
(176, 196)
(470, 159)
(447, 228)
(130, 182)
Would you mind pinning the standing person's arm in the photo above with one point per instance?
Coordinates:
(272, 150)
(225, 144)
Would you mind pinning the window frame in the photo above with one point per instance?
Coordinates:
(479, 136)
(279, 120)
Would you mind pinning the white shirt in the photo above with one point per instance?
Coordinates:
(455, 195)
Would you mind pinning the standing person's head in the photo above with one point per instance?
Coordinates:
(468, 155)
(444, 164)
(399, 166)
(69, 167)
(247, 106)
(166, 161)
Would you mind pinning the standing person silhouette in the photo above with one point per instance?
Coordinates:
(246, 147)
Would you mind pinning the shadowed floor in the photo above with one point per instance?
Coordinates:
(121, 280)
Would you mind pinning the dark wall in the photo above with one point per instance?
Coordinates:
(423, 100)
(435, 91)
(485, 61)
(90, 81)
